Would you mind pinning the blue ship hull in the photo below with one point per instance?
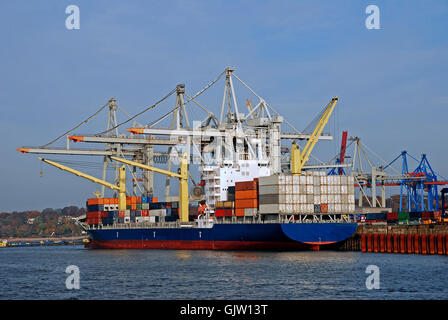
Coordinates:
(250, 236)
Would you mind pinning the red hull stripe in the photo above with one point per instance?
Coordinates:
(196, 245)
(320, 243)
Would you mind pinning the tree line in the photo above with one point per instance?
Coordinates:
(45, 223)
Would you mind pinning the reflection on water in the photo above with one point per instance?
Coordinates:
(39, 273)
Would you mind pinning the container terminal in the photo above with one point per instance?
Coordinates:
(257, 188)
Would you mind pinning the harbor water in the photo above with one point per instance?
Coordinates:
(40, 273)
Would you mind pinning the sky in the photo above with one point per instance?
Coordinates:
(297, 55)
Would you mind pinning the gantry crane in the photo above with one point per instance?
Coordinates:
(183, 181)
(121, 188)
(299, 159)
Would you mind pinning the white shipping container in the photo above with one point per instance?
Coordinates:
(323, 180)
(337, 207)
(351, 208)
(344, 208)
(344, 189)
(302, 179)
(337, 189)
(295, 180)
(323, 189)
(351, 198)
(269, 180)
(250, 212)
(295, 189)
(309, 179)
(289, 199)
(309, 199)
(323, 198)
(310, 208)
(288, 179)
(283, 188)
(317, 199)
(316, 190)
(289, 189)
(282, 208)
(337, 198)
(127, 219)
(350, 180)
(303, 198)
(282, 179)
(289, 208)
(269, 208)
(309, 189)
(271, 189)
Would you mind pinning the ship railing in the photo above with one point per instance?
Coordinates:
(333, 218)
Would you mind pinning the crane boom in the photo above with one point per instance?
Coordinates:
(183, 181)
(121, 188)
(299, 159)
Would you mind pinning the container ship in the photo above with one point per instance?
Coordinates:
(254, 192)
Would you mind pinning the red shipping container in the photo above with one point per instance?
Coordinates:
(392, 216)
(94, 215)
(246, 185)
(246, 203)
(121, 214)
(93, 201)
(246, 194)
(426, 215)
(223, 212)
(239, 212)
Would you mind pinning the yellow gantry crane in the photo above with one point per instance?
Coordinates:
(183, 181)
(299, 159)
(121, 188)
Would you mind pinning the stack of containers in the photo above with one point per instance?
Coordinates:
(246, 198)
(105, 210)
(95, 207)
(310, 192)
(172, 211)
(224, 208)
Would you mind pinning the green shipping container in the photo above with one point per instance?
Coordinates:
(402, 216)
(139, 206)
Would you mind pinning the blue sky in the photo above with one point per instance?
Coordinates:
(296, 54)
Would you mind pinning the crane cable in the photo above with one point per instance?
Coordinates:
(80, 124)
(138, 114)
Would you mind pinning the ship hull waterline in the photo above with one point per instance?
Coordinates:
(249, 236)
